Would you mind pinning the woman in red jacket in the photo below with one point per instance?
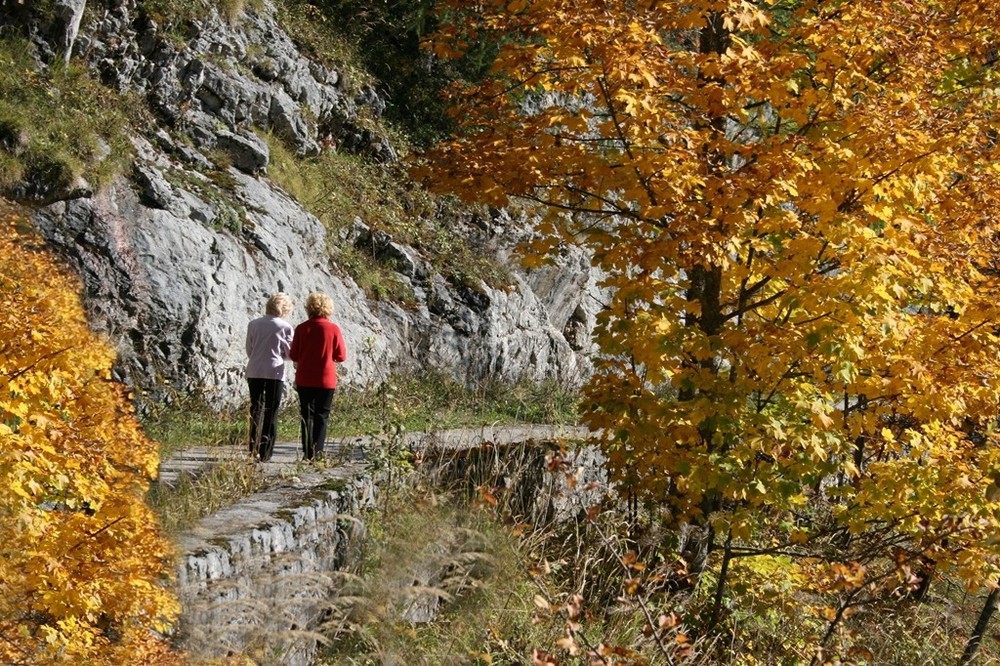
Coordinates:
(317, 347)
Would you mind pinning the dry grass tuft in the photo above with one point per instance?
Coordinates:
(194, 496)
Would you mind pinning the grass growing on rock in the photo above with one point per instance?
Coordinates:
(377, 45)
(56, 126)
(338, 187)
(313, 35)
(174, 13)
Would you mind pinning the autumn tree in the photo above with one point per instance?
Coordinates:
(794, 205)
(82, 564)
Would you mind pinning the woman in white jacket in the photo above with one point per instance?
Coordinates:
(268, 340)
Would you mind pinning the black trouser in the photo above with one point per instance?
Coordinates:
(265, 399)
(314, 404)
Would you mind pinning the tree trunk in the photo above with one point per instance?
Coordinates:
(727, 556)
(977, 634)
(705, 288)
(695, 545)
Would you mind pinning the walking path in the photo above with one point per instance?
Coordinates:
(288, 455)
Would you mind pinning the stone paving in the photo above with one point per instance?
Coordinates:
(287, 455)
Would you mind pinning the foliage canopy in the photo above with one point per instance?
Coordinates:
(82, 563)
(794, 206)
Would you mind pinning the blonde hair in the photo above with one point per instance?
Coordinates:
(319, 304)
(279, 305)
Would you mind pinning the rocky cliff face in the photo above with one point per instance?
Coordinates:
(173, 274)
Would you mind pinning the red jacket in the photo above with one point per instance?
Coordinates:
(317, 347)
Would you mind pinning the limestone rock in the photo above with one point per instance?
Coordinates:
(174, 268)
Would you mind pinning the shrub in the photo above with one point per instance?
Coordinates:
(82, 559)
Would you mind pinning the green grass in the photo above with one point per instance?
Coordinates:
(57, 126)
(184, 423)
(418, 402)
(433, 401)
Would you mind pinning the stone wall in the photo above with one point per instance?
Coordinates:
(537, 481)
(256, 577)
